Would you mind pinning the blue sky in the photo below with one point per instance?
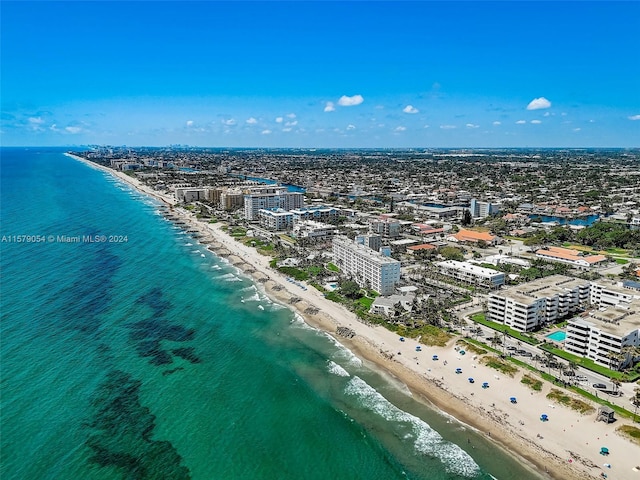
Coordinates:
(321, 74)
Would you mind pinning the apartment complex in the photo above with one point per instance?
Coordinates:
(316, 213)
(313, 230)
(374, 242)
(277, 219)
(366, 266)
(386, 227)
(529, 306)
(469, 273)
(480, 209)
(603, 333)
(270, 198)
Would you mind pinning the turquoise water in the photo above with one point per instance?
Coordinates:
(558, 336)
(137, 358)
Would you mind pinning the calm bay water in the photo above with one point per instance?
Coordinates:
(148, 357)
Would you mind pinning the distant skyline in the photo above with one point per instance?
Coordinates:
(321, 74)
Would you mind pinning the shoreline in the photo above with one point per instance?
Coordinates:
(516, 429)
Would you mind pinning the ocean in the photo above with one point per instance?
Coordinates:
(129, 351)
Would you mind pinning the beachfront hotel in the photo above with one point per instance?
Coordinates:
(368, 267)
(270, 198)
(276, 219)
(466, 272)
(603, 333)
(532, 305)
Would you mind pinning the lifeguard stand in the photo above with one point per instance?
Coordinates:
(606, 415)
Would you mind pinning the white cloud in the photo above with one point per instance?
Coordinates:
(471, 125)
(288, 129)
(536, 122)
(346, 101)
(521, 122)
(251, 121)
(189, 123)
(279, 119)
(329, 107)
(291, 124)
(229, 122)
(400, 129)
(538, 103)
(291, 115)
(426, 126)
(73, 130)
(634, 117)
(266, 132)
(497, 123)
(35, 120)
(577, 129)
(546, 114)
(410, 109)
(447, 127)
(351, 127)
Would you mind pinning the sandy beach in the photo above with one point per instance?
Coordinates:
(567, 446)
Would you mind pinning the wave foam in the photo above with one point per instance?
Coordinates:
(426, 440)
(229, 277)
(337, 369)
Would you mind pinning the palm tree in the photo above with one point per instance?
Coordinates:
(549, 356)
(636, 400)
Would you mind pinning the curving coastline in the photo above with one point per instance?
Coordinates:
(566, 447)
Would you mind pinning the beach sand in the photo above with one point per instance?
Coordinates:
(567, 446)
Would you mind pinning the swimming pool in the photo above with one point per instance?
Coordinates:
(558, 336)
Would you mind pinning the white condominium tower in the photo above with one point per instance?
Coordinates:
(366, 266)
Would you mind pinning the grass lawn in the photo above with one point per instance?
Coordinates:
(332, 267)
(573, 403)
(314, 270)
(365, 302)
(480, 318)
(621, 261)
(294, 272)
(500, 365)
(590, 364)
(431, 335)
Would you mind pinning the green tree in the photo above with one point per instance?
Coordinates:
(350, 289)
(466, 218)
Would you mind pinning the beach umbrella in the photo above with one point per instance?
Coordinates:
(485, 385)
(513, 400)
(435, 357)
(418, 348)
(471, 380)
(604, 451)
(402, 339)
(462, 352)
(458, 370)
(544, 417)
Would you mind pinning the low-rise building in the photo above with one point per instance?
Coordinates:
(471, 236)
(318, 213)
(313, 230)
(572, 257)
(276, 219)
(387, 305)
(468, 273)
(387, 227)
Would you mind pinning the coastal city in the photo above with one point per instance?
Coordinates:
(312, 240)
(526, 260)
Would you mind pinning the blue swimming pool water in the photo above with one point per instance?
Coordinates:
(558, 336)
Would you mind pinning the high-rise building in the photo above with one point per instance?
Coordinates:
(368, 268)
(270, 198)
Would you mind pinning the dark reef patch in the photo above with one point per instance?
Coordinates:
(122, 431)
(149, 334)
(187, 353)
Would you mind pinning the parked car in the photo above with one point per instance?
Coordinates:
(599, 385)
